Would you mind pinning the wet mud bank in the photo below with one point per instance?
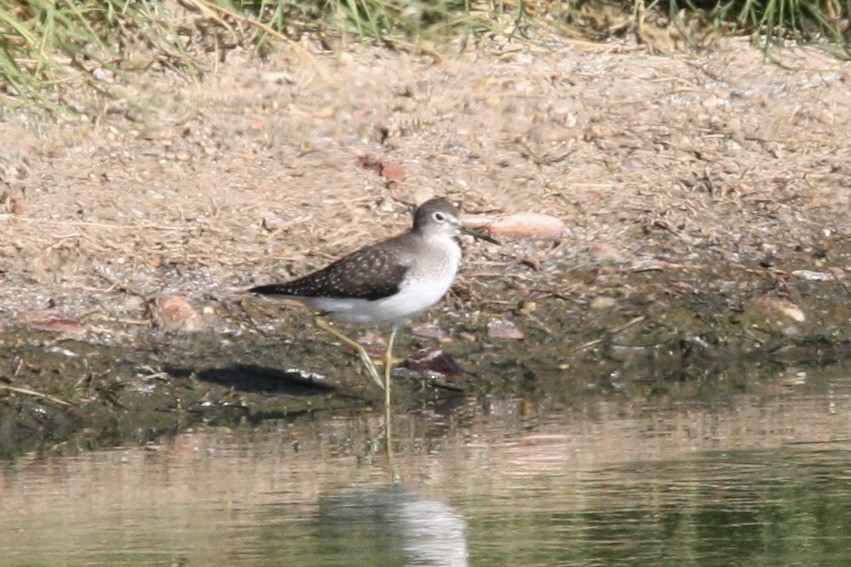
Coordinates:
(666, 330)
(706, 195)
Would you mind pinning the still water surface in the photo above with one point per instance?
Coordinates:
(762, 478)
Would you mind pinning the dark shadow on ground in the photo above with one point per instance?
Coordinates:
(258, 379)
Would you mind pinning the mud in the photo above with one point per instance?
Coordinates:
(707, 195)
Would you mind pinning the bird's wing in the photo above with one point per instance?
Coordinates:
(365, 274)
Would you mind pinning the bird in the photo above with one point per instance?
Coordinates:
(386, 282)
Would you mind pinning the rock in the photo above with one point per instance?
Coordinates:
(603, 302)
(428, 331)
(502, 329)
(175, 314)
(433, 360)
(783, 306)
(389, 170)
(278, 77)
(815, 276)
(52, 321)
(393, 172)
(535, 226)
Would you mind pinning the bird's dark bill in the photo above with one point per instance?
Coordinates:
(479, 235)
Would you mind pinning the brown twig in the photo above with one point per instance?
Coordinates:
(36, 394)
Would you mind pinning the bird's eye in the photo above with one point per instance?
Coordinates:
(439, 217)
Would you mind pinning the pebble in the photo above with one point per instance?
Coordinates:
(534, 226)
(783, 306)
(176, 314)
(52, 321)
(502, 329)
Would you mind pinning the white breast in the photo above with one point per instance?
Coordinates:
(425, 284)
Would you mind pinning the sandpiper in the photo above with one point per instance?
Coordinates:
(386, 282)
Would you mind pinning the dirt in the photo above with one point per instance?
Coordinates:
(707, 194)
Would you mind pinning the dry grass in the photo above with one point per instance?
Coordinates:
(249, 178)
(52, 48)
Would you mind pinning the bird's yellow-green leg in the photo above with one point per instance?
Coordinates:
(320, 323)
(388, 365)
(388, 369)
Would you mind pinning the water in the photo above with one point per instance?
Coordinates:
(762, 478)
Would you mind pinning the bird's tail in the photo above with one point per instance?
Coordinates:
(272, 289)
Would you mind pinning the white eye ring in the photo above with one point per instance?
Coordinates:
(438, 217)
